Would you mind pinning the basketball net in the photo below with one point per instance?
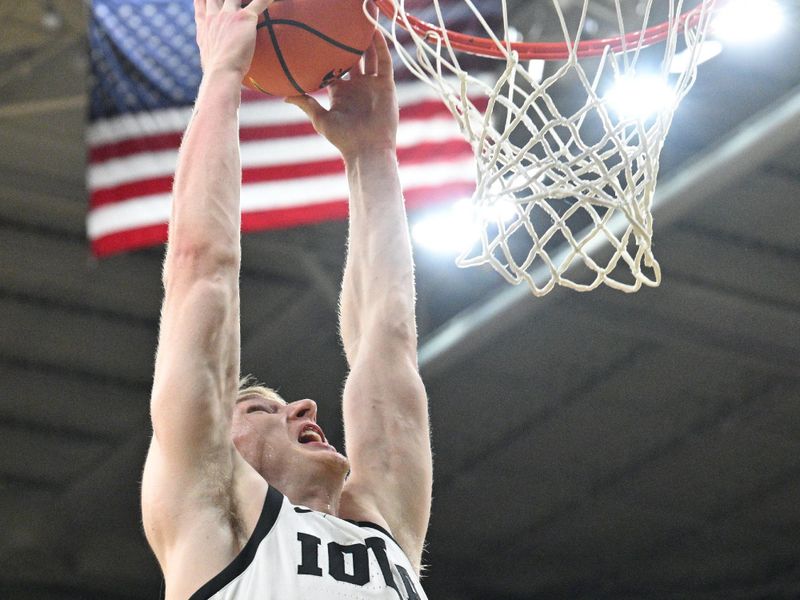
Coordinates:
(560, 182)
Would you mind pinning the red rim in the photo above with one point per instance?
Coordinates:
(546, 51)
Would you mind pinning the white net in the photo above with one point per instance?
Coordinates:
(563, 180)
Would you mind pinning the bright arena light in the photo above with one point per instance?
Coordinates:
(455, 229)
(684, 60)
(640, 97)
(743, 21)
(441, 233)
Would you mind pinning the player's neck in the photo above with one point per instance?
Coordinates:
(317, 495)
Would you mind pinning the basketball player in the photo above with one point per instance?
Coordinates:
(242, 495)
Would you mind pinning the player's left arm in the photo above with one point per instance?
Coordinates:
(385, 405)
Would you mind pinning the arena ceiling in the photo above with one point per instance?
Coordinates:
(591, 446)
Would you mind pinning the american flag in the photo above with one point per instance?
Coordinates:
(145, 74)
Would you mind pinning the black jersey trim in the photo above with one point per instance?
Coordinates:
(269, 514)
(372, 525)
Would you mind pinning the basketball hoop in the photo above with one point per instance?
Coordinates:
(560, 181)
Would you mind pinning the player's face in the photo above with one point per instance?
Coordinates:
(279, 439)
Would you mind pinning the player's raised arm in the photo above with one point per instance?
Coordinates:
(197, 364)
(385, 405)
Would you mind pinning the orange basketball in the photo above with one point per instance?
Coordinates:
(303, 45)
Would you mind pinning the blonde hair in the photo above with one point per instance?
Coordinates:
(250, 386)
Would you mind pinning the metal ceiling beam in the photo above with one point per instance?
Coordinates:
(106, 408)
(42, 202)
(755, 350)
(74, 280)
(39, 107)
(750, 146)
(280, 329)
(104, 346)
(44, 54)
(293, 263)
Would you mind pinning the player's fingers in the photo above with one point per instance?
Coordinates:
(371, 60)
(308, 105)
(384, 57)
(199, 9)
(213, 6)
(356, 71)
(231, 5)
(258, 6)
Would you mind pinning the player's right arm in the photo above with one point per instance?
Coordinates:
(190, 478)
(197, 362)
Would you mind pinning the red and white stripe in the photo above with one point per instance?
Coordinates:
(291, 176)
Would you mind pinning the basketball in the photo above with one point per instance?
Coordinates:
(303, 45)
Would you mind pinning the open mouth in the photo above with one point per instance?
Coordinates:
(310, 434)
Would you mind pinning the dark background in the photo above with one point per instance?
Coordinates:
(595, 445)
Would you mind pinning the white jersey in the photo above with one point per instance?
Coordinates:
(296, 553)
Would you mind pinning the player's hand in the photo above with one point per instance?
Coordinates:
(226, 34)
(363, 115)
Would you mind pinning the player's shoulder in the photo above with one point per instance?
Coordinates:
(358, 507)
(196, 526)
